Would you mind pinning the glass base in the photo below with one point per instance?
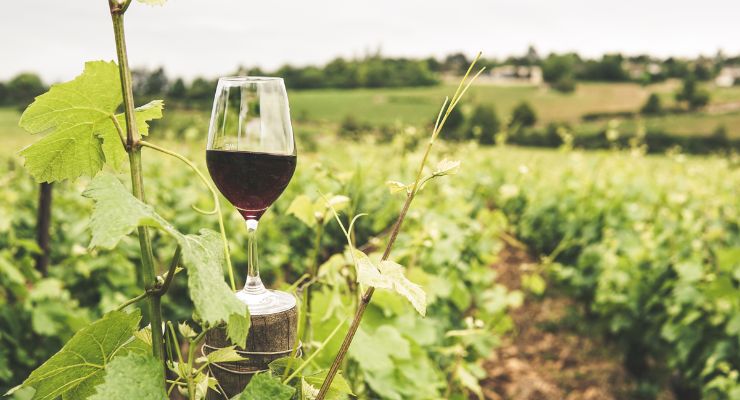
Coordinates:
(262, 301)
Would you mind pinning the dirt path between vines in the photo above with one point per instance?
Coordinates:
(544, 358)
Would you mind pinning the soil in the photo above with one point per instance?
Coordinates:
(546, 357)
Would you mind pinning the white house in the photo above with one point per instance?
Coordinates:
(512, 74)
(727, 76)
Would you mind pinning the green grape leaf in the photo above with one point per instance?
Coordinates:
(534, 283)
(264, 386)
(90, 97)
(225, 354)
(70, 151)
(112, 148)
(444, 167)
(277, 367)
(309, 391)
(133, 376)
(412, 292)
(213, 299)
(237, 328)
(144, 335)
(390, 275)
(468, 380)
(339, 388)
(74, 111)
(79, 366)
(396, 186)
(310, 212)
(117, 213)
(375, 352)
(337, 202)
(79, 117)
(302, 208)
(185, 330)
(447, 167)
(368, 274)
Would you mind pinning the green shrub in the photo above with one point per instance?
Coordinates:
(523, 116)
(483, 125)
(652, 105)
(565, 84)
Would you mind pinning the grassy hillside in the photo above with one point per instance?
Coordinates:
(414, 106)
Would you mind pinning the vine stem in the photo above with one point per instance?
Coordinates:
(147, 272)
(158, 290)
(444, 113)
(216, 202)
(132, 301)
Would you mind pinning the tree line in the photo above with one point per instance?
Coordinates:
(560, 71)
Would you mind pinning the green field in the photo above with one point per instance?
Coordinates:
(414, 106)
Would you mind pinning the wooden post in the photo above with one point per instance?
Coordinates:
(43, 224)
(271, 336)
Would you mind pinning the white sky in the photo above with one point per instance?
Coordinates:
(213, 37)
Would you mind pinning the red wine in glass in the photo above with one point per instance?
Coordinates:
(251, 156)
(251, 181)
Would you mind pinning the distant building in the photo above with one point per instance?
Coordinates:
(637, 71)
(727, 76)
(512, 74)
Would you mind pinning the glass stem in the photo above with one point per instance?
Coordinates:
(254, 283)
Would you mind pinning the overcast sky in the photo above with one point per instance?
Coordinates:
(213, 37)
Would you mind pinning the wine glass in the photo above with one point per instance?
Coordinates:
(251, 156)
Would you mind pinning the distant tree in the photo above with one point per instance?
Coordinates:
(609, 68)
(433, 64)
(532, 56)
(23, 88)
(675, 68)
(178, 90)
(201, 89)
(291, 76)
(556, 67)
(640, 59)
(308, 78)
(394, 72)
(699, 100)
(456, 63)
(3, 94)
(559, 71)
(523, 116)
(256, 71)
(339, 73)
(652, 106)
(692, 96)
(483, 124)
(373, 74)
(156, 83)
(702, 72)
(149, 83)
